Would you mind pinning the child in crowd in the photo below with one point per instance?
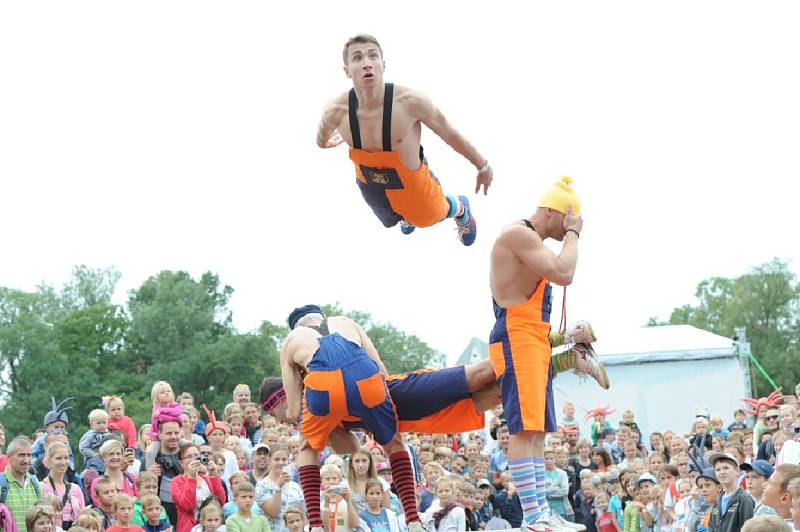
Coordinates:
(445, 514)
(569, 415)
(55, 504)
(210, 518)
(586, 512)
(616, 491)
(91, 520)
(244, 520)
(467, 500)
(164, 409)
(651, 515)
(94, 438)
(336, 506)
(606, 520)
(611, 445)
(739, 421)
(627, 419)
(186, 400)
(146, 484)
(375, 515)
(236, 424)
(600, 423)
(432, 472)
(252, 428)
(117, 420)
(123, 512)
(230, 507)
(631, 520)
(39, 518)
(241, 394)
(294, 519)
(484, 495)
(106, 493)
(681, 511)
(155, 517)
(717, 428)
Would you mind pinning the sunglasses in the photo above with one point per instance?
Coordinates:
(771, 418)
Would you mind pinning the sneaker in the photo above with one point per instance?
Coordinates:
(557, 521)
(540, 525)
(416, 526)
(317, 529)
(580, 333)
(589, 365)
(407, 228)
(467, 227)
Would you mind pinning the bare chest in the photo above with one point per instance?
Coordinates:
(404, 132)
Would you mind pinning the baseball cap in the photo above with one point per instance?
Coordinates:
(713, 458)
(484, 482)
(613, 477)
(609, 431)
(644, 478)
(762, 467)
(707, 473)
(383, 466)
(260, 446)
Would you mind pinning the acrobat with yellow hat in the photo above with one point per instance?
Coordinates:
(522, 270)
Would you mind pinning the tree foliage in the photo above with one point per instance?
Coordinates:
(766, 301)
(75, 342)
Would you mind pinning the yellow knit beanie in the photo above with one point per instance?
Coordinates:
(560, 196)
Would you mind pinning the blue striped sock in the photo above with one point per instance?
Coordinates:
(541, 482)
(523, 474)
(453, 202)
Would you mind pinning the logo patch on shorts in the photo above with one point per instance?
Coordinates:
(386, 178)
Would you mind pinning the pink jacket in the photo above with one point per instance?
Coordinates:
(162, 414)
(124, 424)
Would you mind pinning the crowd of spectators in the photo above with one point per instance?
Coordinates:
(188, 471)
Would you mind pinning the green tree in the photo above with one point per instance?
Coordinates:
(766, 301)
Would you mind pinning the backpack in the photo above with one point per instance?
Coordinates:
(4, 487)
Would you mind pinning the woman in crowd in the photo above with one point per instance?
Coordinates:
(601, 460)
(360, 470)
(117, 463)
(197, 483)
(57, 459)
(276, 491)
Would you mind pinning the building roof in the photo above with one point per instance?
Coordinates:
(643, 344)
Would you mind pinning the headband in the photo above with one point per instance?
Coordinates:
(272, 401)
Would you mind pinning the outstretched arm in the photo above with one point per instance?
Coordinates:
(291, 383)
(423, 109)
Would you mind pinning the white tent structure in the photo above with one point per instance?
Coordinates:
(660, 373)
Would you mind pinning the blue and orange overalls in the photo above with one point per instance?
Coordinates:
(394, 192)
(519, 349)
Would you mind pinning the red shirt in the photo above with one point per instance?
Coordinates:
(605, 522)
(132, 528)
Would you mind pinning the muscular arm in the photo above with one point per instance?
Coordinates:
(332, 118)
(530, 250)
(291, 383)
(422, 108)
(369, 347)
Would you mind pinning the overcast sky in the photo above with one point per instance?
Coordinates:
(180, 135)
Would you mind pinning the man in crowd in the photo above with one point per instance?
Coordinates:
(776, 493)
(19, 490)
(167, 465)
(260, 463)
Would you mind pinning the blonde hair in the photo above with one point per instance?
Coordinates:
(145, 476)
(330, 468)
(110, 446)
(97, 414)
(766, 523)
(89, 518)
(150, 500)
(794, 488)
(293, 510)
(51, 449)
(157, 387)
(240, 388)
(35, 512)
(211, 506)
(240, 475)
(114, 399)
(243, 487)
(120, 498)
(550, 450)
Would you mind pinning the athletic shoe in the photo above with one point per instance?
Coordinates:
(467, 226)
(416, 526)
(407, 228)
(589, 365)
(557, 520)
(540, 525)
(580, 333)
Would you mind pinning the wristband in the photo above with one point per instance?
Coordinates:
(484, 168)
(574, 231)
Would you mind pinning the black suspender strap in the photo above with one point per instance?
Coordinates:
(322, 328)
(388, 96)
(355, 131)
(529, 224)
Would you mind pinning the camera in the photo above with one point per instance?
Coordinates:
(203, 459)
(129, 450)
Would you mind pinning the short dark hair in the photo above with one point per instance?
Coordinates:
(361, 38)
(268, 386)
